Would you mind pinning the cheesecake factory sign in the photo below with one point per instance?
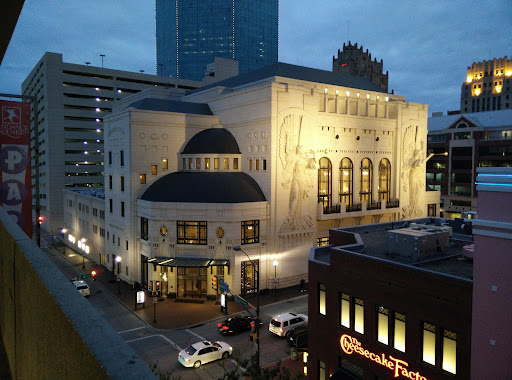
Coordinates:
(351, 345)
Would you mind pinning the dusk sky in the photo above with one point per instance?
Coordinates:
(425, 45)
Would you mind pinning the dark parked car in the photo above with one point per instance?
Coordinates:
(298, 337)
(234, 325)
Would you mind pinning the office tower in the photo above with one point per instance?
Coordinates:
(354, 61)
(189, 34)
(72, 102)
(487, 86)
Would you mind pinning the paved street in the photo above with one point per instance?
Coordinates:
(180, 324)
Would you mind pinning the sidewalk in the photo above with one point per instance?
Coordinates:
(171, 313)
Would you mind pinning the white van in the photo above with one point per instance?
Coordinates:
(282, 324)
(82, 287)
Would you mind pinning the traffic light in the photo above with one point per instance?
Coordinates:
(150, 286)
(214, 283)
(93, 275)
(40, 220)
(253, 326)
(157, 288)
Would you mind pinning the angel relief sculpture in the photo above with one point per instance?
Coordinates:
(413, 175)
(295, 160)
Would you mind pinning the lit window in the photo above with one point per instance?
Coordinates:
(382, 325)
(226, 163)
(142, 178)
(154, 169)
(384, 179)
(207, 163)
(365, 193)
(257, 164)
(191, 163)
(325, 183)
(198, 163)
(346, 183)
(250, 231)
(399, 332)
(165, 164)
(216, 163)
(321, 299)
(450, 351)
(235, 163)
(250, 164)
(191, 232)
(429, 343)
(345, 310)
(322, 241)
(359, 315)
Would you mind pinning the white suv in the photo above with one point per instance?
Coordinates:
(82, 287)
(284, 323)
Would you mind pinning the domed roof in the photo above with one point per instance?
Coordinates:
(213, 140)
(201, 187)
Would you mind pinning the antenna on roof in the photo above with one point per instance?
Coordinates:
(348, 30)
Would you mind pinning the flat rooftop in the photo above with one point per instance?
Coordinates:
(375, 237)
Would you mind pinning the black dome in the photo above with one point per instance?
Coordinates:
(201, 187)
(213, 140)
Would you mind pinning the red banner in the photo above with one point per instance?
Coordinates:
(15, 163)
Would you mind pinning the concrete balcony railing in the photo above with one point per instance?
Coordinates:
(341, 210)
(51, 331)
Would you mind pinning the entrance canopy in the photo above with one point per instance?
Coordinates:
(188, 262)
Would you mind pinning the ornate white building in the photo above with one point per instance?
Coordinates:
(266, 161)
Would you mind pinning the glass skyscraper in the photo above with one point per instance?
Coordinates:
(190, 33)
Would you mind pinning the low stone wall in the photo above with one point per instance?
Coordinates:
(49, 330)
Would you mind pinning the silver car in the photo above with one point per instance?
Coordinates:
(204, 352)
(82, 287)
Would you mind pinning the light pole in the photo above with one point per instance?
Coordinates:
(257, 322)
(118, 261)
(102, 56)
(275, 279)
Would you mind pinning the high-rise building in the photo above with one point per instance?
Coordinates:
(487, 86)
(72, 102)
(189, 34)
(354, 61)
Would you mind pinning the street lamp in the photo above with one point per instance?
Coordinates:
(257, 322)
(118, 261)
(275, 279)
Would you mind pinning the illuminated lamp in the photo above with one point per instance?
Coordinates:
(326, 90)
(477, 92)
(469, 79)
(337, 92)
(348, 94)
(365, 173)
(368, 96)
(387, 99)
(345, 173)
(508, 73)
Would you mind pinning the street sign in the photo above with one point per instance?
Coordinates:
(222, 285)
(81, 277)
(221, 281)
(221, 288)
(155, 300)
(241, 301)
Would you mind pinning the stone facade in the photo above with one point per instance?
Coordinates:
(290, 133)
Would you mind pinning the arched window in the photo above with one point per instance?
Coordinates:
(365, 191)
(325, 182)
(346, 181)
(384, 179)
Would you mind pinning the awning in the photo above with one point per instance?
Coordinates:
(187, 262)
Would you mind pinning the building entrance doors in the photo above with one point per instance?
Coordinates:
(191, 282)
